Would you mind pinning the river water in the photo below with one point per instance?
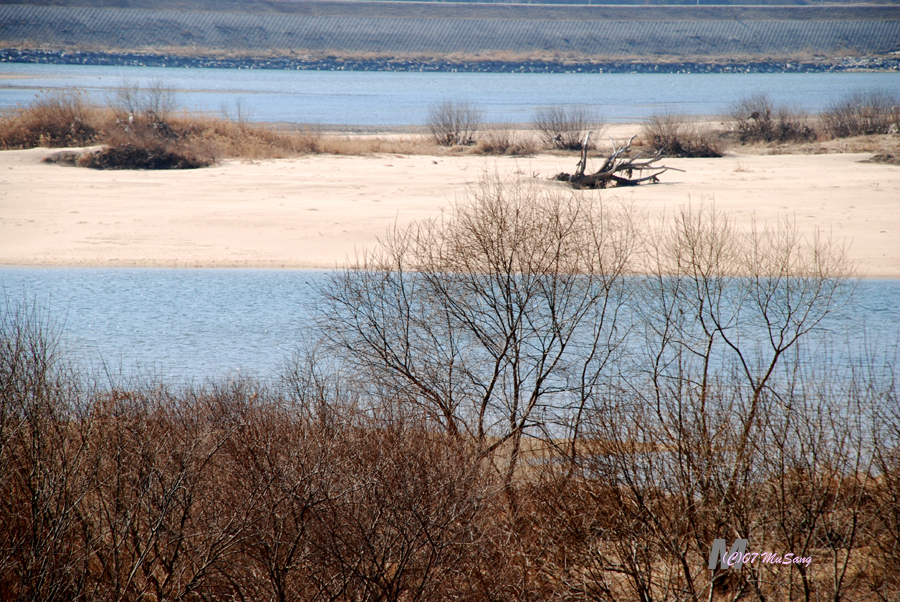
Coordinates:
(194, 324)
(402, 98)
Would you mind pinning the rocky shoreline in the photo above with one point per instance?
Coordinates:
(336, 63)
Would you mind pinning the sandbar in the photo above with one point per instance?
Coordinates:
(319, 211)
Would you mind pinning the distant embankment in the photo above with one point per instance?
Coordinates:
(488, 31)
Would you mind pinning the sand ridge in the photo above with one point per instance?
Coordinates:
(317, 211)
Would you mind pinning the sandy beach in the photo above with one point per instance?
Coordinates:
(318, 211)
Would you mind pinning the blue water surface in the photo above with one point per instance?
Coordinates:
(197, 324)
(402, 98)
(176, 324)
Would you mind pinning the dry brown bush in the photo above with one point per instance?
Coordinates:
(137, 105)
(863, 113)
(44, 469)
(57, 119)
(757, 119)
(146, 149)
(228, 491)
(676, 137)
(564, 128)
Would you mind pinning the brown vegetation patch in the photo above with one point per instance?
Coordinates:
(145, 156)
(59, 119)
(505, 139)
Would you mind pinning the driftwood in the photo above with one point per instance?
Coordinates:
(617, 170)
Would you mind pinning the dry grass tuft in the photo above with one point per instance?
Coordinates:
(140, 130)
(231, 139)
(885, 144)
(374, 145)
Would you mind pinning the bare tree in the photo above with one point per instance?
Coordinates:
(675, 447)
(492, 320)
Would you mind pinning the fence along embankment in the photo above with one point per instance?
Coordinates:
(424, 30)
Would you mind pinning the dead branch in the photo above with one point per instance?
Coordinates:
(617, 170)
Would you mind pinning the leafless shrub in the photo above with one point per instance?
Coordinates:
(404, 523)
(675, 137)
(44, 465)
(712, 392)
(863, 114)
(884, 577)
(157, 507)
(756, 119)
(564, 127)
(228, 491)
(454, 122)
